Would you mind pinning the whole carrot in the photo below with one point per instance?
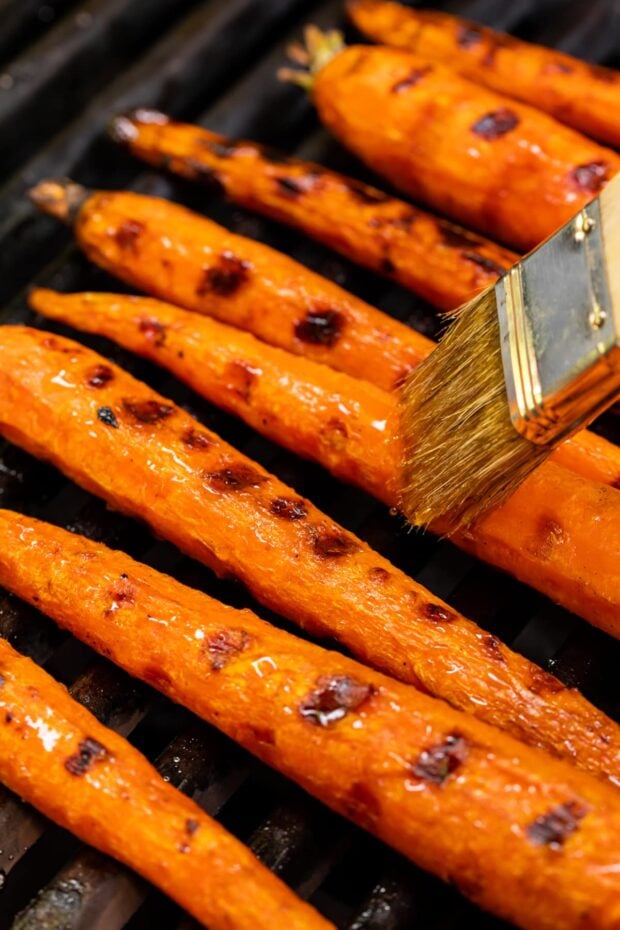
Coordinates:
(576, 92)
(444, 263)
(560, 533)
(117, 438)
(395, 761)
(482, 158)
(86, 778)
(164, 249)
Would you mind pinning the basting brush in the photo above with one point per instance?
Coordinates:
(525, 365)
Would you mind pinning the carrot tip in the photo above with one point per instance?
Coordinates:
(60, 199)
(122, 128)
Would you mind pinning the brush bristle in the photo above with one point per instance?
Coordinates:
(462, 455)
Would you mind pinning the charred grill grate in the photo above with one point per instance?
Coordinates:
(64, 67)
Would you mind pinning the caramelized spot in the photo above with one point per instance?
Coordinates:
(157, 677)
(263, 735)
(333, 544)
(123, 593)
(89, 752)
(289, 508)
(148, 411)
(590, 177)
(226, 277)
(469, 35)
(107, 416)
(557, 67)
(196, 440)
(295, 187)
(8, 717)
(457, 238)
(363, 806)
(154, 331)
(334, 697)
(437, 612)
(235, 478)
(495, 124)
(413, 78)
(221, 647)
(379, 574)
(493, 647)
(127, 235)
(439, 762)
(99, 376)
(365, 193)
(240, 377)
(320, 327)
(336, 433)
(542, 682)
(553, 828)
(550, 534)
(191, 826)
(487, 264)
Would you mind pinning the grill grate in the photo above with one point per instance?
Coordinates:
(214, 63)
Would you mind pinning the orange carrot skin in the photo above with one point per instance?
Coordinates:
(160, 248)
(560, 534)
(396, 761)
(120, 440)
(485, 160)
(445, 264)
(575, 92)
(83, 776)
(206, 268)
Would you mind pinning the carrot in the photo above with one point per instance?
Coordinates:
(159, 247)
(487, 161)
(395, 761)
(444, 263)
(86, 778)
(560, 533)
(118, 439)
(576, 92)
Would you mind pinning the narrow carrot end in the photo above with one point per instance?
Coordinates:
(317, 50)
(60, 199)
(124, 127)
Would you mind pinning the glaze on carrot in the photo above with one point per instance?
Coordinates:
(159, 247)
(120, 440)
(444, 263)
(576, 92)
(483, 159)
(560, 534)
(529, 837)
(58, 757)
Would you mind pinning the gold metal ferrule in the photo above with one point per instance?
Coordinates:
(560, 337)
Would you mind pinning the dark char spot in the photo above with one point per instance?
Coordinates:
(332, 544)
(365, 193)
(437, 612)
(542, 682)
(128, 233)
(191, 826)
(289, 508)
(333, 698)
(222, 148)
(154, 331)
(553, 828)
(557, 67)
(2, 681)
(440, 761)
(487, 264)
(8, 717)
(263, 735)
(235, 478)
(222, 646)
(411, 80)
(495, 124)
(148, 411)
(493, 647)
(89, 752)
(379, 574)
(224, 278)
(196, 440)
(107, 416)
(99, 376)
(295, 187)
(456, 237)
(469, 35)
(320, 327)
(590, 177)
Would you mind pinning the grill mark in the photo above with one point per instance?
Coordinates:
(99, 376)
(437, 763)
(469, 35)
(89, 752)
(194, 439)
(332, 544)
(107, 416)
(365, 193)
(148, 411)
(378, 574)
(153, 330)
(334, 697)
(320, 327)
(553, 828)
(221, 148)
(493, 647)
(405, 221)
(495, 124)
(557, 67)
(127, 235)
(436, 612)
(487, 264)
(542, 682)
(225, 277)
(590, 177)
(235, 478)
(224, 645)
(157, 677)
(296, 187)
(289, 508)
(411, 80)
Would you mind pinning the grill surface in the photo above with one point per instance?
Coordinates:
(64, 68)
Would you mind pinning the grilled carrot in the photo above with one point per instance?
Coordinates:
(347, 426)
(85, 777)
(118, 439)
(444, 263)
(397, 762)
(160, 247)
(486, 160)
(576, 92)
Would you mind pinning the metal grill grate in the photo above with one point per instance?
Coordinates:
(64, 68)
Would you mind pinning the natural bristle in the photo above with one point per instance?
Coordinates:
(462, 455)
